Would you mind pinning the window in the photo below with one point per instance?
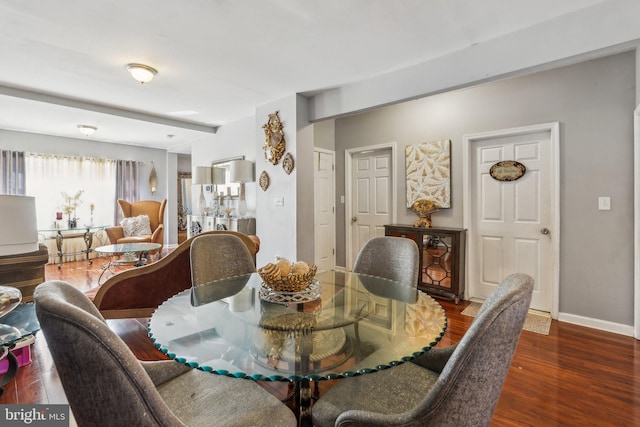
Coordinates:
(49, 176)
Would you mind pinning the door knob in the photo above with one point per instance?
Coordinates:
(354, 219)
(544, 231)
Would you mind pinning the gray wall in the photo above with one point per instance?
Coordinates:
(594, 103)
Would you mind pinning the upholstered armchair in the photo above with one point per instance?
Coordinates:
(151, 208)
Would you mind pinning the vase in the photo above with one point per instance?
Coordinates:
(423, 221)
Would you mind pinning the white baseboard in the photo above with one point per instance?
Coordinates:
(603, 325)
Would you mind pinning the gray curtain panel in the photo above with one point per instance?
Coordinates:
(127, 178)
(12, 166)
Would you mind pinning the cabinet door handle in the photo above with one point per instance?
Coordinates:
(354, 219)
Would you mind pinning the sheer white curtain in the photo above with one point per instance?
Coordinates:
(48, 176)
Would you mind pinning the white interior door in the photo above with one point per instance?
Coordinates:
(324, 205)
(513, 222)
(371, 196)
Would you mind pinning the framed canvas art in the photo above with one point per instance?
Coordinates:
(429, 172)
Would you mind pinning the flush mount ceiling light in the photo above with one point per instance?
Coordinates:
(142, 73)
(87, 130)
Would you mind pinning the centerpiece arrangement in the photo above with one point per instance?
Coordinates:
(284, 276)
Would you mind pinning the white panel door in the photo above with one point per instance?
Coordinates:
(513, 219)
(324, 205)
(371, 196)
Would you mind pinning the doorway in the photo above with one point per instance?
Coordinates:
(513, 226)
(324, 208)
(371, 195)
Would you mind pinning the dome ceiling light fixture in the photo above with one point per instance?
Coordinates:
(142, 73)
(87, 130)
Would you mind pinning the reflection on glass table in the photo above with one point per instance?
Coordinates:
(356, 324)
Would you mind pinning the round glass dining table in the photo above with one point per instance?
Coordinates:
(344, 324)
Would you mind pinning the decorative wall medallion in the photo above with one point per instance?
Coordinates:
(287, 163)
(508, 170)
(264, 181)
(275, 144)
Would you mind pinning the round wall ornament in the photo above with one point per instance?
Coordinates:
(507, 170)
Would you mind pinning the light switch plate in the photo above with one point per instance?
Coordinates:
(604, 203)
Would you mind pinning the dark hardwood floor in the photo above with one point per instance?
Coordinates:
(575, 376)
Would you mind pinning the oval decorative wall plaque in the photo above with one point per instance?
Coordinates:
(507, 170)
(264, 180)
(287, 163)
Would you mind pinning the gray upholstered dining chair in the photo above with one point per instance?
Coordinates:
(218, 256)
(394, 258)
(107, 386)
(453, 386)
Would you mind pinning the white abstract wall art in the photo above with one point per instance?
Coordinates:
(429, 172)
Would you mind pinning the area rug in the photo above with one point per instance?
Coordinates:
(536, 321)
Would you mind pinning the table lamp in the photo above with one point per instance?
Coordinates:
(241, 171)
(201, 175)
(219, 176)
(19, 225)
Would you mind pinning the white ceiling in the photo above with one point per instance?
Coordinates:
(62, 63)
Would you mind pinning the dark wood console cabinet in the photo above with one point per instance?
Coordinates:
(442, 262)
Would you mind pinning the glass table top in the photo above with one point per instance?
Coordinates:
(79, 228)
(357, 324)
(125, 248)
(23, 318)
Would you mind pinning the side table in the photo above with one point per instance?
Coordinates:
(133, 255)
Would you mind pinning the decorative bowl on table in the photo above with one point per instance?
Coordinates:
(284, 276)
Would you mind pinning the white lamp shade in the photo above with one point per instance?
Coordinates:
(19, 227)
(201, 175)
(219, 176)
(241, 171)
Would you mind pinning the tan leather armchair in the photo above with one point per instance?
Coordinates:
(153, 209)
